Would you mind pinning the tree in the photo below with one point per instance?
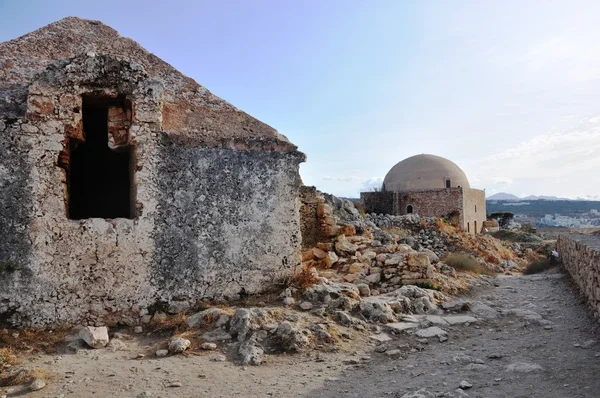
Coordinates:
(503, 218)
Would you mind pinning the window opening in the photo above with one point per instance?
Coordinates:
(409, 209)
(100, 180)
(468, 227)
(448, 183)
(475, 227)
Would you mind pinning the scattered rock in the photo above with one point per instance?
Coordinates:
(306, 305)
(433, 331)
(292, 339)
(464, 385)
(179, 345)
(37, 384)
(95, 337)
(162, 353)
(381, 338)
(251, 353)
(205, 318)
(523, 367)
(460, 319)
(217, 335)
(208, 346)
(422, 393)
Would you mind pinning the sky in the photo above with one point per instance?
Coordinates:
(510, 90)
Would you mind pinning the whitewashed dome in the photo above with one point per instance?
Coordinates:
(421, 172)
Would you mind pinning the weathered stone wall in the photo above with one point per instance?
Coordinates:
(430, 203)
(580, 255)
(474, 211)
(227, 221)
(378, 202)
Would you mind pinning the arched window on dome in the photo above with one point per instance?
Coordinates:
(448, 183)
(409, 209)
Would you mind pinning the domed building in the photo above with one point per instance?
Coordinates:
(430, 186)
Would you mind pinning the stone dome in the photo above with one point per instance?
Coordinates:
(424, 171)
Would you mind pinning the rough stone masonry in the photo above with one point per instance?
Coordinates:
(125, 185)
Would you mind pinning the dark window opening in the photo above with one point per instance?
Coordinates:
(100, 181)
(475, 227)
(448, 183)
(475, 208)
(409, 209)
(468, 227)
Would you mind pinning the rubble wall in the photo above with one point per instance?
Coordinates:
(580, 255)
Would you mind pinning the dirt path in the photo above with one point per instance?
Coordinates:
(545, 335)
(533, 325)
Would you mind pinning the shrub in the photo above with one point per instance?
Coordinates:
(461, 261)
(429, 285)
(512, 236)
(465, 262)
(305, 278)
(538, 266)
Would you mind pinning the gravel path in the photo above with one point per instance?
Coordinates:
(534, 339)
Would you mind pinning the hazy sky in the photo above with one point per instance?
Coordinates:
(509, 90)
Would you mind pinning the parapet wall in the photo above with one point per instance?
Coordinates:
(580, 255)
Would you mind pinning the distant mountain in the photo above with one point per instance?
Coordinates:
(542, 197)
(510, 196)
(503, 196)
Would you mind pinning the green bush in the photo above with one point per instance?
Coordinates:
(514, 236)
(538, 266)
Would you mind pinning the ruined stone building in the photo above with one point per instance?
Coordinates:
(127, 186)
(430, 186)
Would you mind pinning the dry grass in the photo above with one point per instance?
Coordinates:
(34, 341)
(538, 266)
(305, 278)
(466, 262)
(401, 232)
(11, 374)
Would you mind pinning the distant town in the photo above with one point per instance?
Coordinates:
(547, 211)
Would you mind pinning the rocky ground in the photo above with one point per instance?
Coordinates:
(513, 336)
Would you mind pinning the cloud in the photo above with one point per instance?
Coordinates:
(557, 163)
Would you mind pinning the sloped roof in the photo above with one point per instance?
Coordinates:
(421, 172)
(189, 109)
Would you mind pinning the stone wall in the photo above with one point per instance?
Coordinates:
(580, 255)
(378, 202)
(441, 203)
(317, 220)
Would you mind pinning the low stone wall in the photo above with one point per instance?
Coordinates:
(580, 255)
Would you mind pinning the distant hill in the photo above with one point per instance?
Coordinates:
(503, 196)
(542, 197)
(539, 208)
(510, 196)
